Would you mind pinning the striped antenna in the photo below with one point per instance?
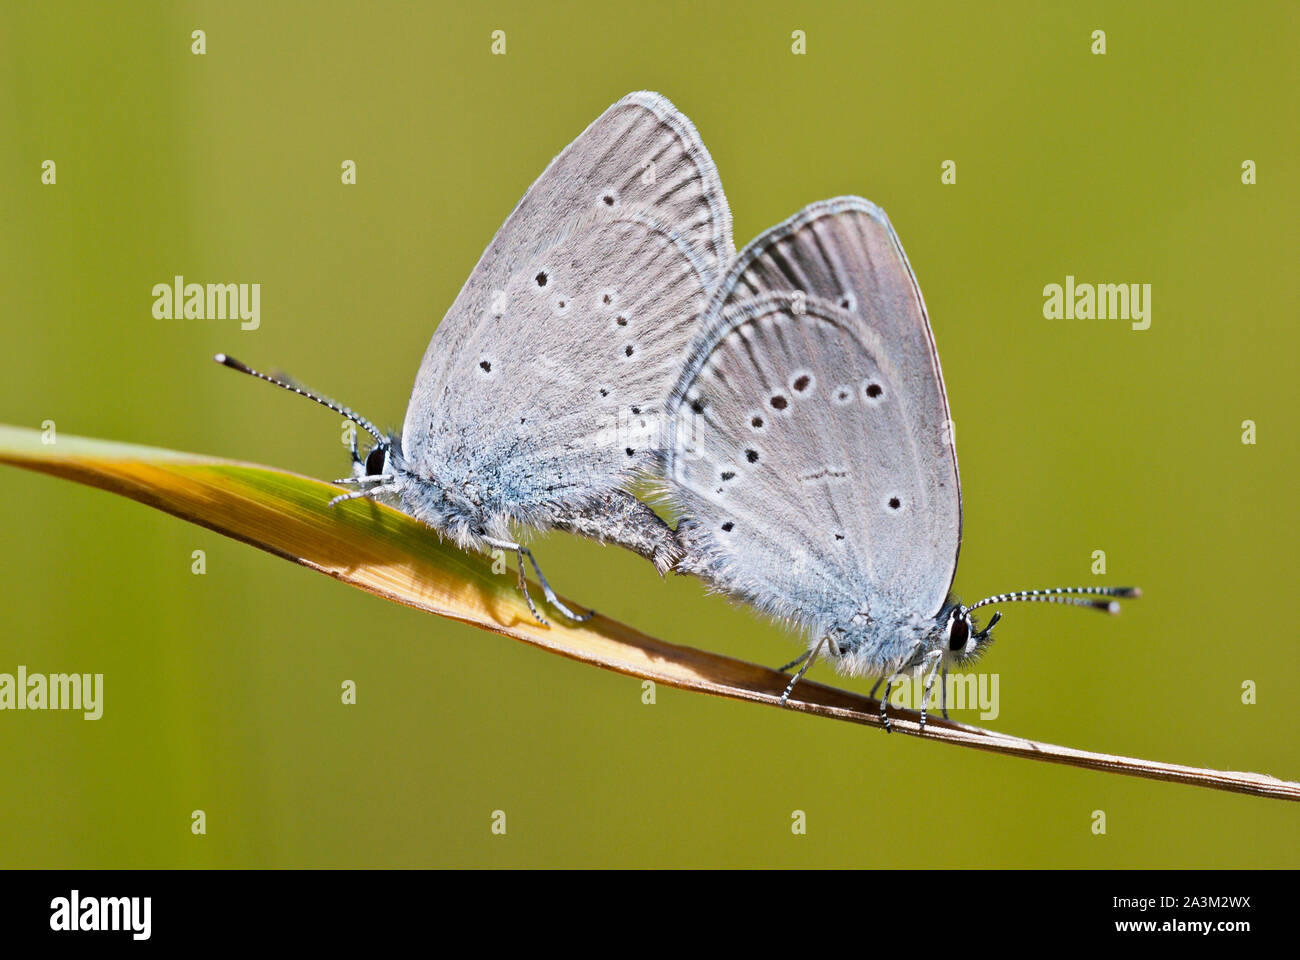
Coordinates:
(302, 391)
(1072, 596)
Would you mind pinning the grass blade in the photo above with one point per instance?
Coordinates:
(382, 550)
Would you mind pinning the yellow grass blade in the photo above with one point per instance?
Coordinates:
(382, 550)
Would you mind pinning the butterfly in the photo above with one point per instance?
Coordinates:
(539, 398)
(812, 454)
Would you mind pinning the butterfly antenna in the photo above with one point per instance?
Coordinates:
(1072, 596)
(324, 401)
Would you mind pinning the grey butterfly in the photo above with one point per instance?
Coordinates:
(540, 395)
(812, 455)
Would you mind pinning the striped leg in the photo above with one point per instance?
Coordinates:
(811, 659)
(929, 684)
(884, 701)
(522, 552)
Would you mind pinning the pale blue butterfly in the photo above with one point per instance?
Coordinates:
(536, 403)
(813, 459)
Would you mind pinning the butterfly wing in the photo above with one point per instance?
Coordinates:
(813, 452)
(578, 314)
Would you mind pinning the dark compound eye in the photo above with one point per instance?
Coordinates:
(958, 634)
(375, 461)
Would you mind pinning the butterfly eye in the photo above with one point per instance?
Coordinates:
(376, 460)
(958, 634)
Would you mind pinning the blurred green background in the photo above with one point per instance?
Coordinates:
(222, 690)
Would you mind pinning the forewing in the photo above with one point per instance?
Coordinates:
(813, 447)
(580, 311)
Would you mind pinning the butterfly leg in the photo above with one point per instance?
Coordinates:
(937, 656)
(625, 521)
(523, 588)
(519, 571)
(359, 494)
(809, 660)
(551, 597)
(884, 701)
